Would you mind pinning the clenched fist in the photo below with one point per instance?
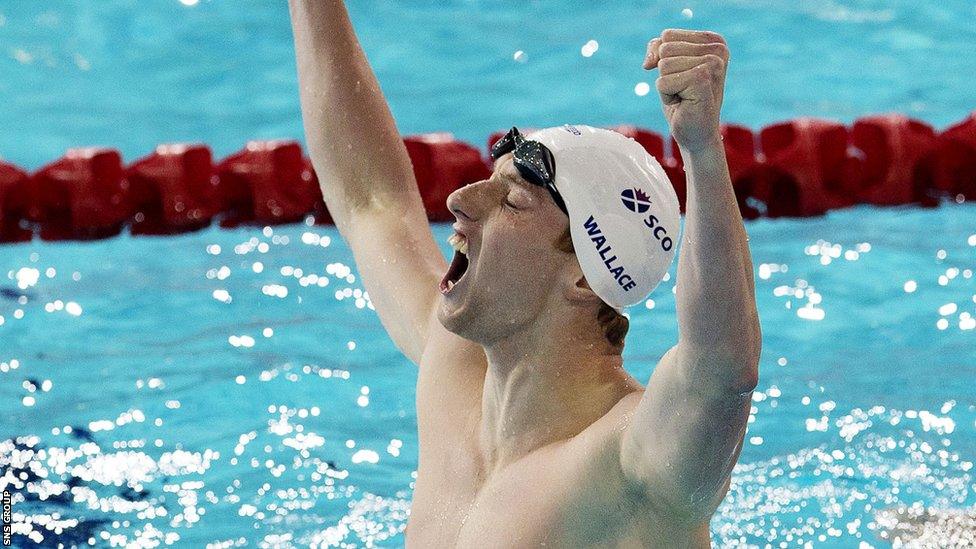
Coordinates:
(692, 65)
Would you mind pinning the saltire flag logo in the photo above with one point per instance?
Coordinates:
(635, 200)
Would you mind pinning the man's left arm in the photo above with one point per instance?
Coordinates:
(686, 433)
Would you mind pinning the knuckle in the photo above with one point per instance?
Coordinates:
(703, 73)
(714, 60)
(721, 50)
(714, 37)
(667, 49)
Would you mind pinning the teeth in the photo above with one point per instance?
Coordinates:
(458, 242)
(450, 284)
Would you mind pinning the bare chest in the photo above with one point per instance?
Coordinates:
(538, 503)
(570, 494)
(524, 512)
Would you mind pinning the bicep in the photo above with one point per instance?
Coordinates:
(400, 266)
(686, 433)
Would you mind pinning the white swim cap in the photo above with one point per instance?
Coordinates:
(623, 211)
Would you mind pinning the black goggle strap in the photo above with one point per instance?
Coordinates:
(533, 160)
(506, 144)
(557, 198)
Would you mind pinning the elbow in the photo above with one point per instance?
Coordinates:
(741, 377)
(743, 360)
(731, 369)
(746, 382)
(744, 366)
(749, 361)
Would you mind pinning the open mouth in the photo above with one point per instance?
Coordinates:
(459, 265)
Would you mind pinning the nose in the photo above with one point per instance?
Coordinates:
(463, 202)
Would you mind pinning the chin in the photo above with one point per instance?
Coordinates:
(479, 324)
(452, 317)
(460, 319)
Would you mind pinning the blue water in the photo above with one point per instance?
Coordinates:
(218, 374)
(234, 387)
(133, 74)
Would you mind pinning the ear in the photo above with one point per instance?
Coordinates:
(578, 292)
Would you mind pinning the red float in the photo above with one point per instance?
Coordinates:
(81, 196)
(652, 142)
(804, 168)
(442, 164)
(740, 149)
(13, 204)
(807, 167)
(956, 160)
(740, 153)
(173, 190)
(897, 163)
(266, 183)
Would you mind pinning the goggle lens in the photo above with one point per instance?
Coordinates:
(533, 160)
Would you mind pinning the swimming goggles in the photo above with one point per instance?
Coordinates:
(533, 161)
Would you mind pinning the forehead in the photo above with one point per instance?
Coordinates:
(503, 163)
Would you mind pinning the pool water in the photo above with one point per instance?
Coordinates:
(235, 387)
(216, 73)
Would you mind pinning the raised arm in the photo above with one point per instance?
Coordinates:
(687, 431)
(366, 177)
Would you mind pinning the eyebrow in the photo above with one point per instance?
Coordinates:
(515, 178)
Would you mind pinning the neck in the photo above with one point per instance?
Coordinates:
(547, 384)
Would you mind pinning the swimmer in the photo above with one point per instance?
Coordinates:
(531, 432)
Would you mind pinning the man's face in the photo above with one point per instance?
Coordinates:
(513, 267)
